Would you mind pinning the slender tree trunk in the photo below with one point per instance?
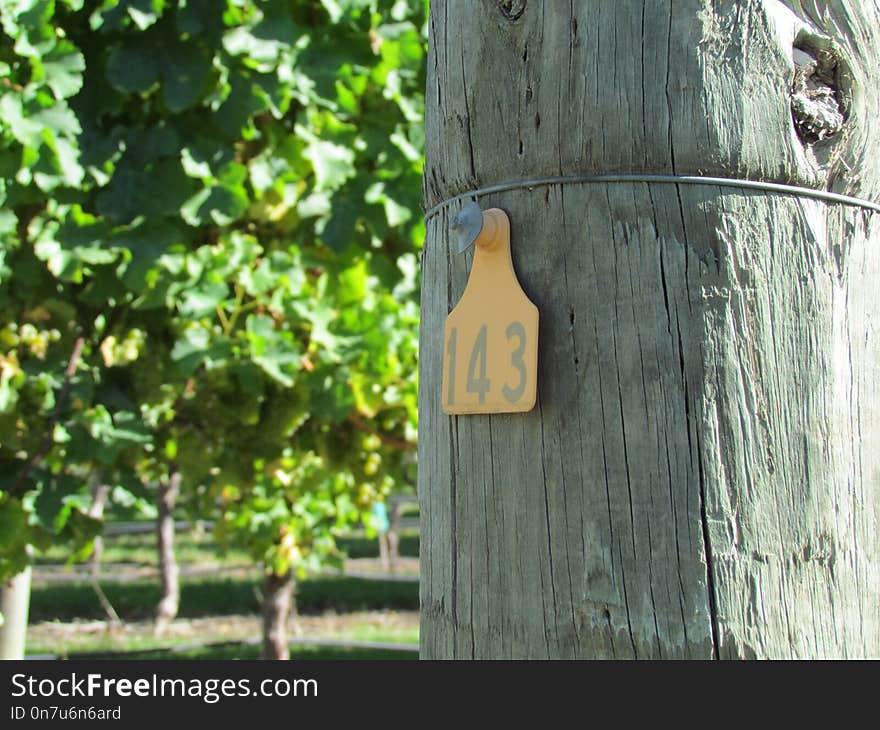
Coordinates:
(277, 605)
(100, 494)
(699, 476)
(169, 572)
(15, 596)
(394, 536)
(384, 551)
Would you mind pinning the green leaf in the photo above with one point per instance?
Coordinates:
(8, 391)
(132, 68)
(352, 284)
(145, 13)
(129, 428)
(146, 242)
(204, 300)
(146, 145)
(157, 191)
(244, 100)
(63, 68)
(242, 42)
(85, 237)
(49, 505)
(395, 213)
(27, 21)
(99, 435)
(61, 262)
(24, 129)
(195, 347)
(185, 73)
(194, 164)
(16, 535)
(273, 350)
(333, 164)
(59, 119)
(216, 204)
(58, 164)
(339, 229)
(199, 17)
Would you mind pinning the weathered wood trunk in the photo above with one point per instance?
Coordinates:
(169, 572)
(699, 477)
(277, 605)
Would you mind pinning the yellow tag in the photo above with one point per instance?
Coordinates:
(490, 361)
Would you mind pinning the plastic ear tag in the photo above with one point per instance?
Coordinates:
(490, 361)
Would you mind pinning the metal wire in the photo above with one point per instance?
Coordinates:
(725, 182)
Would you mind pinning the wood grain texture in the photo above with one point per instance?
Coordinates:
(700, 476)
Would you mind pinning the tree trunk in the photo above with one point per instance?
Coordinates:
(698, 478)
(100, 493)
(394, 536)
(169, 572)
(15, 595)
(277, 604)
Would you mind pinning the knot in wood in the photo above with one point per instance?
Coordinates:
(512, 9)
(815, 103)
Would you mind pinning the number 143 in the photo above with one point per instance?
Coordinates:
(490, 371)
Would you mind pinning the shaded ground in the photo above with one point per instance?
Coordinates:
(219, 595)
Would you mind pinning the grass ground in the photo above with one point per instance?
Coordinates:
(220, 604)
(296, 652)
(224, 633)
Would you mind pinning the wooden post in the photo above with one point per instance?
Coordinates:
(699, 475)
(15, 596)
(166, 496)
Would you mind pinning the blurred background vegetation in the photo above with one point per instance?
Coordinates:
(209, 231)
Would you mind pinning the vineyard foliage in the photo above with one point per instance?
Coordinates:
(210, 230)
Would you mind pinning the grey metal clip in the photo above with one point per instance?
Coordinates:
(468, 224)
